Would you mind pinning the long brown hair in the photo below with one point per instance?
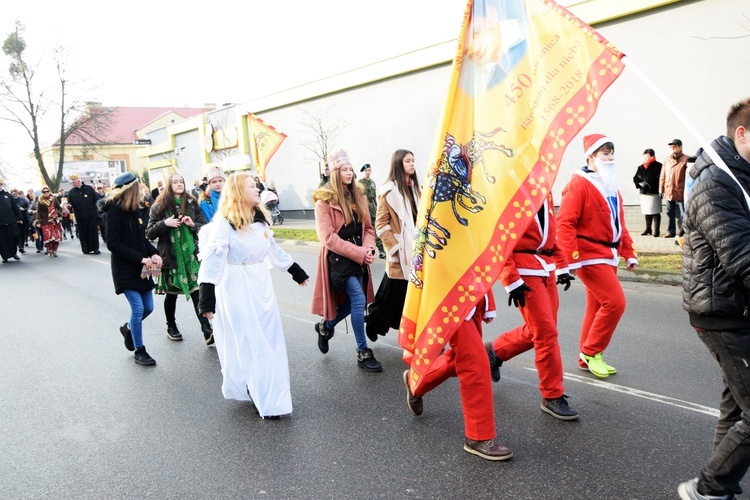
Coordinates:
(350, 198)
(396, 174)
(165, 200)
(128, 198)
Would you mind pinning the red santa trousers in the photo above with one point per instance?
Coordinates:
(468, 361)
(539, 333)
(605, 305)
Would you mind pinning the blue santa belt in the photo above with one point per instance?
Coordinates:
(610, 244)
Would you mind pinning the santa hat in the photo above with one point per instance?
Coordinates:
(593, 142)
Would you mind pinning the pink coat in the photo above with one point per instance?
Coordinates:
(329, 218)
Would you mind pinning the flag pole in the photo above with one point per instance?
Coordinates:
(718, 161)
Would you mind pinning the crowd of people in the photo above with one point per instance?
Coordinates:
(214, 250)
(45, 219)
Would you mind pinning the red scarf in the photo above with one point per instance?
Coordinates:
(649, 162)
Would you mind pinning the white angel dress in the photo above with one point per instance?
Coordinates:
(247, 325)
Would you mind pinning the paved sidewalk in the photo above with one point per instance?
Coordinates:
(642, 244)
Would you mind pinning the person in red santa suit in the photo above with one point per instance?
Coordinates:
(592, 235)
(467, 360)
(529, 278)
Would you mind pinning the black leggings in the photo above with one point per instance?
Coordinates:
(170, 307)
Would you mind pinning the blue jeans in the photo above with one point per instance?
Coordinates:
(731, 455)
(141, 305)
(674, 214)
(355, 305)
(38, 242)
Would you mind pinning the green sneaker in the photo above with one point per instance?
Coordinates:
(610, 369)
(596, 364)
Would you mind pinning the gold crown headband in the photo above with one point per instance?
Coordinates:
(338, 160)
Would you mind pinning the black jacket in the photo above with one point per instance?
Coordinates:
(157, 229)
(83, 200)
(646, 180)
(716, 262)
(126, 240)
(10, 214)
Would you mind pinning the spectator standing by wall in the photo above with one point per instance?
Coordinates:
(672, 186)
(646, 180)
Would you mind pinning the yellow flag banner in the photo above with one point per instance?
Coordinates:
(526, 78)
(265, 140)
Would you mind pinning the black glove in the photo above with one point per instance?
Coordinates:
(565, 279)
(207, 298)
(298, 274)
(518, 297)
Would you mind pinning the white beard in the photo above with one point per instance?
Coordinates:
(607, 171)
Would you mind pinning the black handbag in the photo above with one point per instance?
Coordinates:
(340, 267)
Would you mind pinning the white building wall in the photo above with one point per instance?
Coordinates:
(702, 77)
(678, 46)
(400, 113)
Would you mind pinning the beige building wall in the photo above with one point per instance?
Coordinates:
(693, 50)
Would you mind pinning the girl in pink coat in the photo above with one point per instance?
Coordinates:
(343, 284)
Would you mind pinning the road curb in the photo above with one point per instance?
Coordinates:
(673, 278)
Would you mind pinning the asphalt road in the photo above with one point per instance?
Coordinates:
(83, 421)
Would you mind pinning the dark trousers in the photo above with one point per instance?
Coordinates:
(88, 229)
(170, 308)
(674, 216)
(731, 455)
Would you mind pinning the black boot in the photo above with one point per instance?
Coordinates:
(142, 358)
(207, 329)
(173, 333)
(657, 223)
(649, 218)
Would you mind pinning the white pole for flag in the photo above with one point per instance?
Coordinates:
(681, 116)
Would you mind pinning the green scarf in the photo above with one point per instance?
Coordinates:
(183, 245)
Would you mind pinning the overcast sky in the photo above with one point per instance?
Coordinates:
(174, 53)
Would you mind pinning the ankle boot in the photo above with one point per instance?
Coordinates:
(657, 223)
(649, 218)
(142, 358)
(206, 328)
(173, 333)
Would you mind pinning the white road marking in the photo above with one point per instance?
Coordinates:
(687, 405)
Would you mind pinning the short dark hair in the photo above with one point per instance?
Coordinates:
(607, 146)
(738, 116)
(649, 152)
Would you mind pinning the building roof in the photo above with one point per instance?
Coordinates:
(127, 120)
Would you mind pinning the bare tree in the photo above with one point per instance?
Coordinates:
(26, 107)
(746, 28)
(323, 132)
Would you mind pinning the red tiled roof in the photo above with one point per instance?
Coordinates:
(126, 121)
